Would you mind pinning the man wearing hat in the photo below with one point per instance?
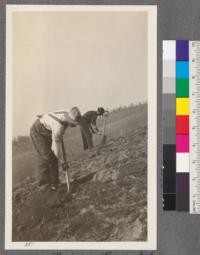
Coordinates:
(89, 126)
(46, 134)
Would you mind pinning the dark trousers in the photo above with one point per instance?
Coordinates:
(48, 162)
(86, 136)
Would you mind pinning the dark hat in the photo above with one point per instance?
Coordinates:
(101, 110)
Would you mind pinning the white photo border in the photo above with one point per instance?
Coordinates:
(151, 243)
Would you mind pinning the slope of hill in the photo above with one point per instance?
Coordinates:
(118, 123)
(108, 200)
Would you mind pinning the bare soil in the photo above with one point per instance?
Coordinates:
(108, 200)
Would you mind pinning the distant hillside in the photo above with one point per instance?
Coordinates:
(22, 144)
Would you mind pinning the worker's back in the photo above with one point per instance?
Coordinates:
(90, 117)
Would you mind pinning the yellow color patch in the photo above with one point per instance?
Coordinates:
(182, 106)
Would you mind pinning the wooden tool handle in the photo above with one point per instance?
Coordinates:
(66, 169)
(104, 127)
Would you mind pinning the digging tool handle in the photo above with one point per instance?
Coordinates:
(66, 166)
(104, 127)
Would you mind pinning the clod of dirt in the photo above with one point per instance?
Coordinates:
(106, 175)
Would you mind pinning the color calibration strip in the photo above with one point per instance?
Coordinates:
(169, 125)
(182, 125)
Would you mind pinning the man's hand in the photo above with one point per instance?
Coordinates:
(64, 165)
(98, 133)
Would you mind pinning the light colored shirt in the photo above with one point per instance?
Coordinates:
(57, 128)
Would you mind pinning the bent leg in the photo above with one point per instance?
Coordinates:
(42, 145)
(54, 173)
(87, 136)
(85, 144)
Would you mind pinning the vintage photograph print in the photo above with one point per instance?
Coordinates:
(81, 127)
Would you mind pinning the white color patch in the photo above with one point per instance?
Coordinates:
(169, 50)
(182, 162)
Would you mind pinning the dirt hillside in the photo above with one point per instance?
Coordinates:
(108, 200)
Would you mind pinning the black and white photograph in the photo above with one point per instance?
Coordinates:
(81, 127)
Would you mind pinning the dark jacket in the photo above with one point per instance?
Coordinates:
(90, 117)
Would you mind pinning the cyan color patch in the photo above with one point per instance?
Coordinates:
(182, 69)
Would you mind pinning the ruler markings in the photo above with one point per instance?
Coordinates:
(194, 50)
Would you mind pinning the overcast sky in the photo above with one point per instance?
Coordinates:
(84, 59)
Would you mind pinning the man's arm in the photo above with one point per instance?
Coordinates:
(57, 136)
(94, 129)
(93, 123)
(56, 148)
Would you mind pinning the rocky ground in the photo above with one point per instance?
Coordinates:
(108, 200)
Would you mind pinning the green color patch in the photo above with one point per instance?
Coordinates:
(182, 87)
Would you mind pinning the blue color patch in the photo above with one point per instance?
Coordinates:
(182, 69)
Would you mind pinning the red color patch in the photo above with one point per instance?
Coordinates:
(182, 124)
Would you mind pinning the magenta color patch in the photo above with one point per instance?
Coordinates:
(182, 143)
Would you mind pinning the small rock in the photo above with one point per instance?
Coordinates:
(91, 207)
(84, 210)
(90, 165)
(137, 230)
(132, 190)
(122, 156)
(114, 175)
(19, 228)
